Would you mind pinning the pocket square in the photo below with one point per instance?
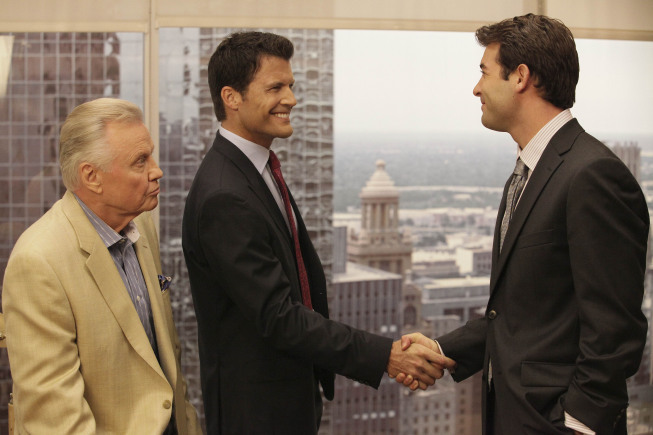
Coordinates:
(164, 282)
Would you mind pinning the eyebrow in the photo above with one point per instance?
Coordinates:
(281, 83)
(145, 152)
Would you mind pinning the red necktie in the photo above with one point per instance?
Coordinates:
(275, 165)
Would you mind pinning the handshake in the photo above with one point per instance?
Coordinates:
(416, 361)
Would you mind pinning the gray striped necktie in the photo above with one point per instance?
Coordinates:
(519, 177)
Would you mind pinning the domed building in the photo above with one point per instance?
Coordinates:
(380, 244)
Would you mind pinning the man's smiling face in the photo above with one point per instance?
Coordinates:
(496, 93)
(264, 109)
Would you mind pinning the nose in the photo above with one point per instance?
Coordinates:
(155, 172)
(289, 98)
(477, 89)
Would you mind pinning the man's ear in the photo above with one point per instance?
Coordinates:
(231, 98)
(90, 177)
(523, 77)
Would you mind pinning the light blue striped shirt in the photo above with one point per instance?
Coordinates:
(121, 248)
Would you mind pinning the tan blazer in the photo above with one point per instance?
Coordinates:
(79, 356)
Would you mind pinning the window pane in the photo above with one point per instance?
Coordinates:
(50, 74)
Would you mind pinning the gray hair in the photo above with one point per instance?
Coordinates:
(82, 138)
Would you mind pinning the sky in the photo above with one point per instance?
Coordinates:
(397, 81)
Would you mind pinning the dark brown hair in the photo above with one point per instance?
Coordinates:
(236, 60)
(543, 44)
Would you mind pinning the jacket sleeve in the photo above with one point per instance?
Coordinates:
(607, 232)
(466, 346)
(242, 248)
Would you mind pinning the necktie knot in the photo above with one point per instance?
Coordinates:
(274, 161)
(520, 168)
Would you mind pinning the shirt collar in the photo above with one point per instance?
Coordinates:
(257, 154)
(107, 234)
(533, 150)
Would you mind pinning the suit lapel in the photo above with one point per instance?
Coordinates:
(257, 185)
(161, 327)
(312, 263)
(551, 159)
(547, 165)
(255, 180)
(108, 281)
(497, 226)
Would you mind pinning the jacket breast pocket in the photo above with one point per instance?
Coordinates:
(544, 374)
(550, 236)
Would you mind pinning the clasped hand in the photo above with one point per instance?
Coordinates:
(416, 362)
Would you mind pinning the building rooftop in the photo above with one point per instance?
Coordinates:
(467, 281)
(357, 272)
(380, 184)
(429, 256)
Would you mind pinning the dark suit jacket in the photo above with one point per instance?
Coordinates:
(261, 350)
(563, 325)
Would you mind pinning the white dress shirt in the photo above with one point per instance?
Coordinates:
(259, 156)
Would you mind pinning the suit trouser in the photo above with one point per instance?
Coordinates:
(490, 416)
(319, 406)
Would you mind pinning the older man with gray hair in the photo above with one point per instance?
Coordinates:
(91, 341)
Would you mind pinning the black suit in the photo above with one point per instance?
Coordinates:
(261, 351)
(563, 326)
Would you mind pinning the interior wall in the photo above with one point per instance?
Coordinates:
(607, 18)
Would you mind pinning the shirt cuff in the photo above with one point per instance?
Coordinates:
(452, 370)
(439, 347)
(574, 424)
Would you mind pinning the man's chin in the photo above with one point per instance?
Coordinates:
(151, 204)
(286, 132)
(490, 125)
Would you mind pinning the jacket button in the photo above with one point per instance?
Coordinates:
(167, 404)
(492, 315)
